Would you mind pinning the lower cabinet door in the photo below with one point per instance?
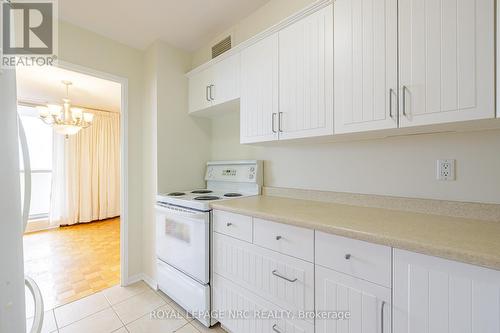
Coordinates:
(241, 311)
(285, 281)
(437, 295)
(345, 304)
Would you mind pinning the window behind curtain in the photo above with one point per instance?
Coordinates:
(39, 137)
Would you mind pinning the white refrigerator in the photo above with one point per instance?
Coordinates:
(14, 215)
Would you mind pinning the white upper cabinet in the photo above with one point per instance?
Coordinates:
(215, 85)
(226, 80)
(366, 77)
(433, 295)
(306, 76)
(259, 91)
(199, 86)
(447, 65)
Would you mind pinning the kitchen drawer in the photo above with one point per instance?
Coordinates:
(234, 225)
(280, 279)
(367, 261)
(286, 239)
(229, 299)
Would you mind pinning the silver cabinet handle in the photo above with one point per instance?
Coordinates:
(404, 100)
(276, 273)
(382, 317)
(206, 93)
(391, 91)
(280, 115)
(272, 122)
(276, 329)
(211, 92)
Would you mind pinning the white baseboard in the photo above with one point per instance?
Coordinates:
(39, 225)
(141, 277)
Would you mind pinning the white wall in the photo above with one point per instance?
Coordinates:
(167, 148)
(398, 166)
(261, 19)
(183, 140)
(149, 155)
(175, 145)
(85, 48)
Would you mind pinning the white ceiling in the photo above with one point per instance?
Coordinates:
(186, 24)
(43, 85)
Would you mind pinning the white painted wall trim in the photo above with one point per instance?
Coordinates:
(315, 6)
(143, 277)
(124, 240)
(39, 225)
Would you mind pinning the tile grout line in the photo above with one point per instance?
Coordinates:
(116, 314)
(96, 293)
(125, 299)
(133, 321)
(79, 320)
(82, 317)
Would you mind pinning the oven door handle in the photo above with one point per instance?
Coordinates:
(178, 211)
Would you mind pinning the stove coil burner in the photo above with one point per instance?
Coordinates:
(207, 197)
(176, 194)
(201, 191)
(233, 195)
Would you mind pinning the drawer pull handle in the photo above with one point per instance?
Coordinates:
(347, 256)
(382, 317)
(278, 237)
(275, 328)
(228, 224)
(275, 273)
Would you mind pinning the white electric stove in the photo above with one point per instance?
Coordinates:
(183, 220)
(225, 180)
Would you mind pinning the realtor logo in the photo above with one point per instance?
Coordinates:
(29, 33)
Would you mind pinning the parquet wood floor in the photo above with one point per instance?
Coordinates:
(72, 262)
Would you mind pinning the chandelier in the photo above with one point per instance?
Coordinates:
(65, 119)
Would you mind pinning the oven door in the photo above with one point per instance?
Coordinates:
(182, 240)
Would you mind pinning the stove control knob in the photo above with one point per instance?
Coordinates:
(252, 169)
(250, 176)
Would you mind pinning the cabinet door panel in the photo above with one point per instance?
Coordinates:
(433, 295)
(306, 76)
(446, 61)
(230, 299)
(226, 80)
(252, 267)
(368, 304)
(259, 91)
(198, 90)
(365, 36)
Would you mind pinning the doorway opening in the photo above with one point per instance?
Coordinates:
(75, 243)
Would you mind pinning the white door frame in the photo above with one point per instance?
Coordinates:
(124, 277)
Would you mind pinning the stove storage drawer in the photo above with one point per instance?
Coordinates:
(280, 279)
(287, 239)
(244, 312)
(234, 225)
(367, 261)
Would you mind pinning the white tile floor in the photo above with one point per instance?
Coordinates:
(120, 310)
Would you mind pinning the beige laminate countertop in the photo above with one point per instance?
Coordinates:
(475, 242)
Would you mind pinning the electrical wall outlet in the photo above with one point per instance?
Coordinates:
(445, 170)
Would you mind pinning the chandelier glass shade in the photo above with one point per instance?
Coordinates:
(65, 119)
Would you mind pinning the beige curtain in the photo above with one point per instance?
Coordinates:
(93, 170)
